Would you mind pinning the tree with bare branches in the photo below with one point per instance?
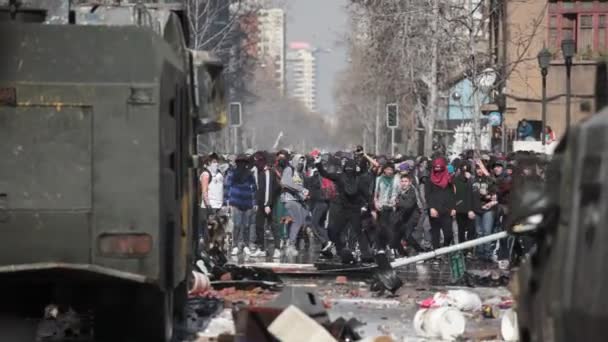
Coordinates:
(410, 51)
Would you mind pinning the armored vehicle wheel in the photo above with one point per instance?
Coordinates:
(155, 315)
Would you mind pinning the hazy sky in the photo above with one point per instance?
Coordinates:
(322, 23)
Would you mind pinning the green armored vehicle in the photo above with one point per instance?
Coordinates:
(562, 285)
(98, 191)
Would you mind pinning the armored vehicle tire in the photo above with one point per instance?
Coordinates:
(138, 314)
(154, 315)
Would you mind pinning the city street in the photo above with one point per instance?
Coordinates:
(349, 296)
(303, 170)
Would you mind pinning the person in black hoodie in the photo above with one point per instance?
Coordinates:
(441, 203)
(484, 205)
(465, 216)
(318, 203)
(351, 202)
(267, 186)
(406, 216)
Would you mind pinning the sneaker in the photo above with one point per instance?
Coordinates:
(326, 254)
(277, 254)
(247, 251)
(235, 251)
(291, 250)
(503, 264)
(258, 253)
(327, 246)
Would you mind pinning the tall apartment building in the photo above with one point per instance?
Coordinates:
(302, 74)
(271, 45)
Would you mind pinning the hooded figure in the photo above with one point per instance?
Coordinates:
(440, 176)
(239, 194)
(353, 196)
(441, 203)
(293, 196)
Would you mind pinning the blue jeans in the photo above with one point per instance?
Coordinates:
(484, 225)
(242, 235)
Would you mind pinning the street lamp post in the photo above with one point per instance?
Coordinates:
(568, 49)
(544, 59)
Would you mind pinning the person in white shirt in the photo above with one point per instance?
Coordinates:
(212, 195)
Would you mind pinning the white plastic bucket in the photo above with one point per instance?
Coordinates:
(445, 323)
(509, 327)
(200, 283)
(464, 300)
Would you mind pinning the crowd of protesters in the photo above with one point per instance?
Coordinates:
(353, 205)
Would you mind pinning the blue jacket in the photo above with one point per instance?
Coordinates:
(240, 195)
(525, 131)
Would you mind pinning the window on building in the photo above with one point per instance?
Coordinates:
(601, 35)
(585, 41)
(584, 21)
(553, 42)
(568, 26)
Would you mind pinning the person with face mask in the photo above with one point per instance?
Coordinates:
(406, 217)
(484, 205)
(346, 210)
(441, 203)
(385, 201)
(465, 216)
(211, 183)
(322, 191)
(239, 196)
(293, 195)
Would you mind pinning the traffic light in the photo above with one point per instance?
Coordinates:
(235, 114)
(392, 115)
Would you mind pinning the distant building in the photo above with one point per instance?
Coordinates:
(537, 24)
(302, 74)
(271, 46)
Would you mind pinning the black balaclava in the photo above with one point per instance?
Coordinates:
(350, 167)
(241, 172)
(363, 165)
(350, 171)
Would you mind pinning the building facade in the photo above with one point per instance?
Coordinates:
(302, 74)
(520, 30)
(271, 45)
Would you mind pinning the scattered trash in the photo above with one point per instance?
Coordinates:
(385, 278)
(368, 301)
(446, 323)
(490, 311)
(303, 298)
(246, 285)
(199, 284)
(485, 278)
(345, 330)
(222, 324)
(206, 307)
(291, 324)
(506, 304)
(62, 324)
(460, 299)
(230, 295)
(509, 327)
(341, 280)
